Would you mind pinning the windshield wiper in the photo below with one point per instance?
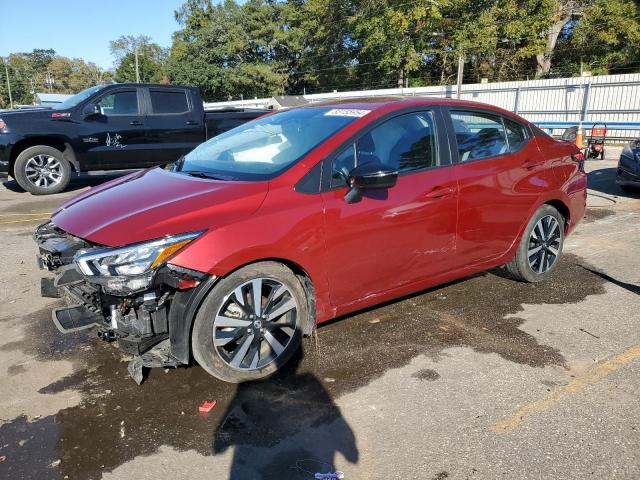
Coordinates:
(202, 174)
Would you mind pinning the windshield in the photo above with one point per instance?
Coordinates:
(263, 148)
(78, 97)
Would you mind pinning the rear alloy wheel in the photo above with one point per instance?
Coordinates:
(42, 170)
(250, 323)
(540, 247)
(544, 244)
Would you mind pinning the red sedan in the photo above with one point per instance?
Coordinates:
(236, 251)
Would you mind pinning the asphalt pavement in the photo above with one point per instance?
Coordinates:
(483, 378)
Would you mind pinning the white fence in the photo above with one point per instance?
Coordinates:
(552, 103)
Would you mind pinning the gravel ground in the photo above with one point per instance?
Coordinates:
(483, 378)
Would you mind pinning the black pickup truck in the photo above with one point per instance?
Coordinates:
(109, 127)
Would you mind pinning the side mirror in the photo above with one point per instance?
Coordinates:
(570, 134)
(91, 110)
(369, 176)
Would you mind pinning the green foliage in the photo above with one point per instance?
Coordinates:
(267, 47)
(605, 40)
(151, 59)
(32, 72)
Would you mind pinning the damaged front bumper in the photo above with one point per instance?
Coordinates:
(152, 324)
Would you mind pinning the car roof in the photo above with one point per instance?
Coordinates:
(402, 101)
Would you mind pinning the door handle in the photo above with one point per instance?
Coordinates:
(192, 122)
(439, 192)
(136, 123)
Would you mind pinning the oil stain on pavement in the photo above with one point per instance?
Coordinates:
(118, 420)
(593, 214)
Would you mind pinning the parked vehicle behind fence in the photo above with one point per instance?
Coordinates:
(235, 252)
(107, 127)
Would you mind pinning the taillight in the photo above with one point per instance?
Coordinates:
(579, 157)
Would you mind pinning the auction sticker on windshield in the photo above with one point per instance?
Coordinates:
(346, 112)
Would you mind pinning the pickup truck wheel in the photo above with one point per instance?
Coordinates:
(250, 323)
(540, 247)
(42, 170)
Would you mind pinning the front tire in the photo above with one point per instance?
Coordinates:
(540, 247)
(250, 324)
(42, 170)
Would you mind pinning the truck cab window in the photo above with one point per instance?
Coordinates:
(119, 103)
(168, 102)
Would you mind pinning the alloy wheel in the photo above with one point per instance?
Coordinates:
(255, 323)
(544, 244)
(43, 171)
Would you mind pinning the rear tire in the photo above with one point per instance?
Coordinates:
(540, 247)
(42, 170)
(237, 342)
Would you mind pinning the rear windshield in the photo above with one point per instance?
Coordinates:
(263, 148)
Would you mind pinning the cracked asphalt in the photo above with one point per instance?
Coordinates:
(482, 378)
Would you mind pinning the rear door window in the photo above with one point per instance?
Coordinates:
(516, 134)
(479, 135)
(169, 101)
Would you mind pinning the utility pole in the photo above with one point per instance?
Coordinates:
(6, 71)
(460, 73)
(137, 67)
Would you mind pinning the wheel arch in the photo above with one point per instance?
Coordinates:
(563, 209)
(554, 201)
(59, 143)
(186, 304)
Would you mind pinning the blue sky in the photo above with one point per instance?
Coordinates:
(83, 28)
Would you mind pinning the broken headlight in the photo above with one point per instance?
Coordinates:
(129, 269)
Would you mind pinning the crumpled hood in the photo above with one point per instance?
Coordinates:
(154, 203)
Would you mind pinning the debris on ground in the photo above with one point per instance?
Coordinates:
(207, 406)
(588, 333)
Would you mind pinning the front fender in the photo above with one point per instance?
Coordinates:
(182, 313)
(286, 229)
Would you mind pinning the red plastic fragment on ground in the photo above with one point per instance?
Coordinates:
(207, 406)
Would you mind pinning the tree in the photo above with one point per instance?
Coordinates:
(606, 40)
(151, 59)
(29, 72)
(266, 47)
(227, 50)
(563, 12)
